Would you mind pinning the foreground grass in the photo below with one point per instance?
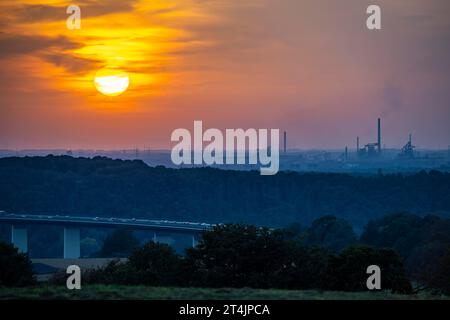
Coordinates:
(112, 292)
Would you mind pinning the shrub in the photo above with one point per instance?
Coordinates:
(156, 264)
(15, 268)
(237, 255)
(439, 281)
(347, 270)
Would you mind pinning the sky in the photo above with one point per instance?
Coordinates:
(311, 68)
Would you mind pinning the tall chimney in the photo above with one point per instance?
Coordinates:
(379, 136)
(285, 142)
(357, 145)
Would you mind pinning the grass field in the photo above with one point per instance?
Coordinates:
(108, 292)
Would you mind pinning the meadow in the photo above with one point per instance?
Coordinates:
(119, 292)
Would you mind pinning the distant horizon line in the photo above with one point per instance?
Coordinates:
(169, 150)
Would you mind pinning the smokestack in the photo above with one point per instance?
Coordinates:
(285, 141)
(379, 136)
(357, 145)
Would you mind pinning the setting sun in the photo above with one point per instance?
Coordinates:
(111, 82)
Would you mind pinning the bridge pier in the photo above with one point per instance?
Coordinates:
(19, 238)
(71, 243)
(72, 225)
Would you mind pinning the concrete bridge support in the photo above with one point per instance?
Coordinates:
(19, 238)
(71, 243)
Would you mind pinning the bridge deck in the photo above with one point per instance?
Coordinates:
(89, 222)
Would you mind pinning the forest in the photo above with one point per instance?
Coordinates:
(101, 186)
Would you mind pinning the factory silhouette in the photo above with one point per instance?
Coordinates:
(370, 149)
(367, 157)
(374, 149)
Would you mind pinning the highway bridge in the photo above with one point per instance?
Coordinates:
(72, 225)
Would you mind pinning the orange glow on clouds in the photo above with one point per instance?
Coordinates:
(134, 37)
(307, 67)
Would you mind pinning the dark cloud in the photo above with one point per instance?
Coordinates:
(94, 8)
(89, 8)
(55, 50)
(71, 63)
(38, 13)
(13, 45)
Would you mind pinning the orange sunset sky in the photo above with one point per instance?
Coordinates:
(308, 67)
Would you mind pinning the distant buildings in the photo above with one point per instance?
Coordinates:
(370, 150)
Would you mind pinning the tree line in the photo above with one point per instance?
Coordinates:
(101, 186)
(240, 255)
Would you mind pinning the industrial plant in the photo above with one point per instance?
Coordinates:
(365, 158)
(372, 149)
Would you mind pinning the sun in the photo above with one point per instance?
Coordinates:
(111, 82)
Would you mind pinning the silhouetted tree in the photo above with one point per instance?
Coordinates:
(421, 241)
(238, 255)
(347, 270)
(120, 243)
(439, 280)
(330, 232)
(156, 264)
(294, 232)
(15, 268)
(307, 270)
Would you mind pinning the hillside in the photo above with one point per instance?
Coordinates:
(104, 187)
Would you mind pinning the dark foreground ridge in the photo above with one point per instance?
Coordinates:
(123, 188)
